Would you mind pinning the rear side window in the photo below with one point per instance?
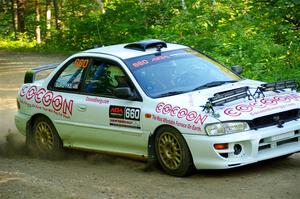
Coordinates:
(70, 78)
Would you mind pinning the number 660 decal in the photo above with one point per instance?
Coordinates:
(132, 113)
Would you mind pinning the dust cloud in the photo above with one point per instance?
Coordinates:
(12, 145)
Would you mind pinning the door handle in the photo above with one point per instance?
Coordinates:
(81, 107)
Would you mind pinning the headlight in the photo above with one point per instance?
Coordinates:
(226, 128)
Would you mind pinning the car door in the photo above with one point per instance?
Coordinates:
(67, 84)
(100, 120)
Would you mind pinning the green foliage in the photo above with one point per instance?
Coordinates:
(24, 42)
(261, 36)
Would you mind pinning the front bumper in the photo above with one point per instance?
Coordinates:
(21, 121)
(253, 146)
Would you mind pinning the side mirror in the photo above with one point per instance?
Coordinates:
(125, 93)
(237, 69)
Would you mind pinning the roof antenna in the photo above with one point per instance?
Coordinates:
(158, 48)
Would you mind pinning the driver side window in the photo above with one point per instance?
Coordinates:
(103, 77)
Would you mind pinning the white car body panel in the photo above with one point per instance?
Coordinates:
(82, 121)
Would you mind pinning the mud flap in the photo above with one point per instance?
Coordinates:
(151, 149)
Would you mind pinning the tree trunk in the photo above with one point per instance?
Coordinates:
(62, 3)
(37, 20)
(56, 14)
(21, 15)
(48, 18)
(14, 9)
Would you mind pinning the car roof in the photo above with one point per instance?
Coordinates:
(123, 52)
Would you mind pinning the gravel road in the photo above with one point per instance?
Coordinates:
(89, 175)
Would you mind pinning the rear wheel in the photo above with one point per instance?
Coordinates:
(43, 140)
(172, 152)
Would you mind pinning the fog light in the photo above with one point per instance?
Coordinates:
(237, 149)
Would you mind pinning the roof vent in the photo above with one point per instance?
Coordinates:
(145, 44)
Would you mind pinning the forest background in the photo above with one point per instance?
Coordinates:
(262, 36)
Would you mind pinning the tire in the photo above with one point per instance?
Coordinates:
(43, 141)
(172, 152)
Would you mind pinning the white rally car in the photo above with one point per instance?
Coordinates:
(158, 101)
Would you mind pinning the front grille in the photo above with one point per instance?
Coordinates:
(275, 119)
(280, 140)
(263, 147)
(291, 140)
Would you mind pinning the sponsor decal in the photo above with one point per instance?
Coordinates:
(97, 100)
(140, 63)
(125, 116)
(179, 112)
(159, 58)
(191, 99)
(263, 105)
(192, 127)
(116, 112)
(145, 61)
(46, 100)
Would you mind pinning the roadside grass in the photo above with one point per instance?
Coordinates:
(32, 47)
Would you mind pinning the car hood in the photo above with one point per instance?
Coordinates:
(239, 109)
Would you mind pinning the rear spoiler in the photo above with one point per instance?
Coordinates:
(30, 74)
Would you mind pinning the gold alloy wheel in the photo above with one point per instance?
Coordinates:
(44, 138)
(170, 151)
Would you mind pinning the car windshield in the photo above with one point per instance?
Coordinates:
(178, 71)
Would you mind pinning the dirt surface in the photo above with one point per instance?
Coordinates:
(89, 175)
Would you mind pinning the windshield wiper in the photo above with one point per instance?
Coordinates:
(170, 94)
(213, 84)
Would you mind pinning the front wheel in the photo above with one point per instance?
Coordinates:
(172, 152)
(43, 140)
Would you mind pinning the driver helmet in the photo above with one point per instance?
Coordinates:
(115, 75)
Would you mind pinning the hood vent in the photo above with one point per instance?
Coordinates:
(145, 44)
